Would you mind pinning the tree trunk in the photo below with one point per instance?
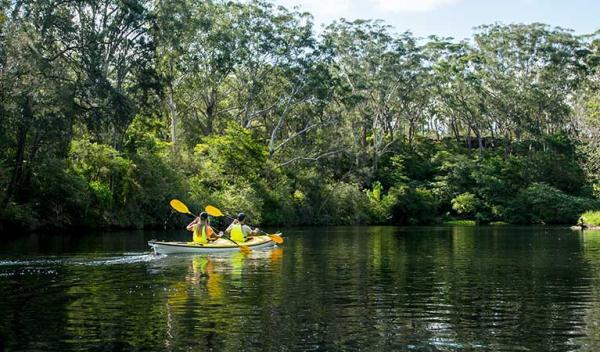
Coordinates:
(17, 175)
(506, 145)
(455, 130)
(210, 112)
(173, 115)
(376, 143)
(468, 138)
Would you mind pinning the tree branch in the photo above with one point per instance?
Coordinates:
(316, 158)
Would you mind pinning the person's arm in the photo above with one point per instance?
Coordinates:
(210, 233)
(190, 226)
(248, 230)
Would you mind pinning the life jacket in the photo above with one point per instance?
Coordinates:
(200, 237)
(237, 234)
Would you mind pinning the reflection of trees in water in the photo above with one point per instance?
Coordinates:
(106, 307)
(443, 287)
(188, 302)
(386, 288)
(468, 287)
(215, 302)
(591, 339)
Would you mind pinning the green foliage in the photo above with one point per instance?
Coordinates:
(108, 109)
(590, 218)
(375, 193)
(101, 193)
(460, 222)
(541, 203)
(241, 198)
(280, 200)
(345, 203)
(59, 198)
(125, 190)
(97, 162)
(465, 204)
(19, 215)
(498, 223)
(410, 206)
(61, 195)
(235, 154)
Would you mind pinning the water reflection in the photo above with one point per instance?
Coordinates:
(208, 307)
(590, 341)
(375, 288)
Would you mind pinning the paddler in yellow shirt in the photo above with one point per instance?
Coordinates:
(239, 231)
(203, 233)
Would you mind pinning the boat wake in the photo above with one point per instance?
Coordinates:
(126, 258)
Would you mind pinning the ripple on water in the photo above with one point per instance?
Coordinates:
(127, 258)
(424, 291)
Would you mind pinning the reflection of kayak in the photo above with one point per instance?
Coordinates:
(220, 245)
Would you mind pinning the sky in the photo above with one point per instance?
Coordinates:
(455, 18)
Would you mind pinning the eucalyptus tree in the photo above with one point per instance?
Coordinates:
(248, 63)
(587, 124)
(281, 84)
(528, 74)
(68, 64)
(36, 97)
(356, 49)
(409, 68)
(458, 89)
(174, 24)
(383, 87)
(196, 52)
(110, 52)
(586, 115)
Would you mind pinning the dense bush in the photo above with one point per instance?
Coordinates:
(101, 186)
(544, 204)
(590, 218)
(466, 204)
(407, 205)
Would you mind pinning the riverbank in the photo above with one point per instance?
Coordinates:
(585, 228)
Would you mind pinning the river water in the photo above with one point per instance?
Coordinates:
(324, 289)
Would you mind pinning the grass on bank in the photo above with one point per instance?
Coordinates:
(590, 218)
(498, 223)
(473, 223)
(461, 222)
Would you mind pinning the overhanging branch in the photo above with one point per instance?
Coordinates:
(314, 158)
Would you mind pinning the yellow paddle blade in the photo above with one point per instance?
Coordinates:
(245, 249)
(276, 238)
(213, 211)
(179, 206)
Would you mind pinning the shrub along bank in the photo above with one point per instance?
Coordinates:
(428, 182)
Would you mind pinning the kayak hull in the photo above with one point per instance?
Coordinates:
(218, 246)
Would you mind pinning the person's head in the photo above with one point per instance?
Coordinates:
(203, 216)
(241, 218)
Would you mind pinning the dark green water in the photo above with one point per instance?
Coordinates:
(371, 288)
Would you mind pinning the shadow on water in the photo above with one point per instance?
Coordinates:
(374, 288)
